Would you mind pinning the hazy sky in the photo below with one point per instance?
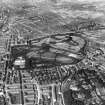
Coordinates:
(85, 0)
(14, 1)
(32, 2)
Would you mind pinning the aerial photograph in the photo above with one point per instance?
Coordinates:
(52, 52)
